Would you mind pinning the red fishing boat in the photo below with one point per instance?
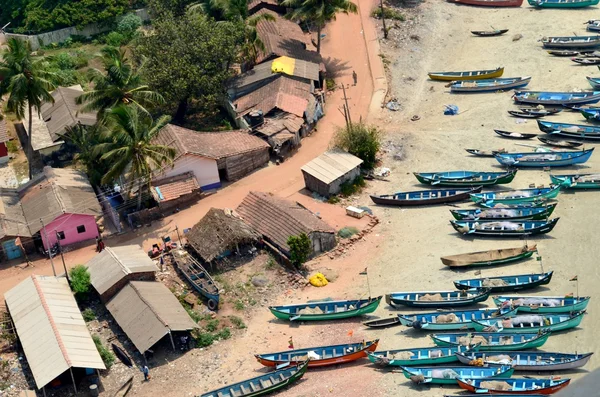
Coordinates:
(489, 3)
(513, 386)
(320, 356)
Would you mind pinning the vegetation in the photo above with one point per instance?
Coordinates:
(349, 188)
(224, 333)
(330, 84)
(107, 356)
(86, 140)
(237, 322)
(347, 232)
(212, 325)
(300, 249)
(80, 281)
(88, 315)
(388, 13)
(239, 305)
(361, 140)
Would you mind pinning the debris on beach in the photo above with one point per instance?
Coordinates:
(393, 105)
(451, 110)
(517, 37)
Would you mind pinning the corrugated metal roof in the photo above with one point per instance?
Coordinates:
(51, 328)
(3, 131)
(111, 265)
(331, 165)
(146, 311)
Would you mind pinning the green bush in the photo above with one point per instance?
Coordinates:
(107, 356)
(128, 24)
(212, 325)
(347, 232)
(88, 315)
(224, 333)
(300, 249)
(388, 13)
(64, 61)
(349, 188)
(361, 140)
(115, 39)
(204, 339)
(80, 281)
(330, 84)
(13, 146)
(239, 305)
(237, 322)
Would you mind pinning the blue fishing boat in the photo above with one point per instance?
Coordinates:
(531, 323)
(506, 283)
(494, 204)
(577, 181)
(507, 213)
(465, 178)
(571, 42)
(572, 131)
(438, 299)
(544, 159)
(489, 85)
(319, 356)
(327, 310)
(496, 341)
(514, 386)
(198, 277)
(425, 197)
(449, 321)
(594, 81)
(504, 228)
(556, 98)
(543, 304)
(424, 356)
(591, 114)
(447, 375)
(528, 361)
(511, 197)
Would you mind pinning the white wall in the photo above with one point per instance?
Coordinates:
(205, 170)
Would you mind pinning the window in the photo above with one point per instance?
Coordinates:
(81, 229)
(61, 235)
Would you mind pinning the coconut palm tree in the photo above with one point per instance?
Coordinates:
(132, 152)
(86, 140)
(252, 42)
(120, 83)
(27, 84)
(319, 12)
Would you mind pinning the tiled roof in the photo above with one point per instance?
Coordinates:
(331, 165)
(255, 3)
(284, 93)
(277, 219)
(12, 219)
(174, 187)
(214, 145)
(287, 123)
(3, 131)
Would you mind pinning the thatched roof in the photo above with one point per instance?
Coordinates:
(220, 230)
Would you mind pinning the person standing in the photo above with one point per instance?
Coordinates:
(146, 373)
(354, 77)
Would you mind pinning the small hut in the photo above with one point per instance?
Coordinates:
(326, 173)
(219, 233)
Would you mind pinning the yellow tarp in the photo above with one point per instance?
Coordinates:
(318, 280)
(284, 65)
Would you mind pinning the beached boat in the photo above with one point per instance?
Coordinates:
(594, 82)
(565, 53)
(507, 214)
(544, 159)
(489, 3)
(382, 322)
(465, 178)
(527, 115)
(447, 375)
(469, 75)
(329, 310)
(122, 355)
(489, 85)
(588, 61)
(556, 98)
(543, 304)
(262, 384)
(198, 277)
(424, 356)
(495, 341)
(319, 356)
(437, 299)
(484, 153)
(552, 141)
(528, 361)
(506, 283)
(425, 197)
(519, 196)
(514, 135)
(513, 386)
(544, 111)
(562, 3)
(577, 181)
(489, 33)
(489, 258)
(452, 320)
(591, 114)
(531, 323)
(576, 129)
(581, 136)
(125, 388)
(504, 228)
(571, 42)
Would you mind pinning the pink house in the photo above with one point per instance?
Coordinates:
(60, 204)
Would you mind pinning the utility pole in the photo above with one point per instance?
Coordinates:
(347, 108)
(62, 257)
(49, 248)
(385, 31)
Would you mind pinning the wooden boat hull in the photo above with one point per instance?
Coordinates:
(544, 194)
(489, 33)
(465, 178)
(571, 42)
(514, 283)
(489, 3)
(556, 98)
(395, 300)
(382, 323)
(514, 135)
(125, 388)
(590, 114)
(553, 387)
(575, 129)
(122, 355)
(569, 305)
(594, 82)
(197, 276)
(447, 356)
(488, 85)
(533, 341)
(586, 61)
(428, 321)
(562, 4)
(483, 153)
(530, 361)
(526, 115)
(537, 160)
(489, 258)
(512, 214)
(572, 181)
(569, 323)
(470, 75)
(549, 140)
(369, 307)
(495, 372)
(523, 228)
(435, 197)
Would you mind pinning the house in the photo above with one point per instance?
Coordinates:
(15, 236)
(277, 219)
(174, 191)
(147, 311)
(3, 139)
(219, 233)
(60, 204)
(326, 173)
(212, 156)
(256, 5)
(52, 332)
(54, 118)
(114, 267)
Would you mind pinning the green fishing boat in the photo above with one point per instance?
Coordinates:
(423, 356)
(447, 375)
(519, 196)
(489, 258)
(562, 3)
(542, 304)
(492, 341)
(465, 178)
(531, 323)
(330, 310)
(577, 181)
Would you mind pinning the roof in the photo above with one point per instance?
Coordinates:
(287, 123)
(282, 65)
(214, 145)
(331, 165)
(256, 3)
(50, 326)
(147, 311)
(284, 93)
(114, 263)
(218, 231)
(172, 188)
(3, 131)
(58, 191)
(277, 219)
(12, 218)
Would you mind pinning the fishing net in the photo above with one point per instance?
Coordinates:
(495, 282)
(401, 355)
(431, 297)
(310, 310)
(446, 318)
(495, 385)
(417, 379)
(318, 280)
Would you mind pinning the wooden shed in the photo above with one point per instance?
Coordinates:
(326, 173)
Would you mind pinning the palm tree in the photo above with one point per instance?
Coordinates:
(121, 83)
(319, 12)
(87, 141)
(252, 42)
(132, 152)
(27, 83)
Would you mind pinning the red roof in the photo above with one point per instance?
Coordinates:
(175, 187)
(283, 93)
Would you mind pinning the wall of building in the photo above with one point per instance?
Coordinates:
(322, 242)
(205, 170)
(241, 165)
(68, 223)
(315, 185)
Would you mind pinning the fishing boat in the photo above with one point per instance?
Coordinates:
(424, 356)
(551, 141)
(577, 129)
(122, 355)
(382, 322)
(586, 61)
(425, 197)
(262, 384)
(511, 197)
(489, 85)
(489, 33)
(513, 386)
(544, 159)
(582, 136)
(594, 82)
(469, 75)
(329, 310)
(437, 299)
(577, 181)
(507, 213)
(447, 375)
(527, 115)
(484, 153)
(591, 114)
(504, 228)
(319, 356)
(495, 341)
(450, 321)
(198, 277)
(564, 53)
(562, 3)
(593, 25)
(514, 135)
(465, 178)
(489, 258)
(543, 304)
(531, 323)
(571, 42)
(556, 98)
(506, 283)
(528, 361)
(544, 111)
(489, 3)
(125, 388)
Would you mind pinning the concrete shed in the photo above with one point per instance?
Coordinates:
(326, 173)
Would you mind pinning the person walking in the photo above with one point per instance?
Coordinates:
(354, 77)
(146, 373)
